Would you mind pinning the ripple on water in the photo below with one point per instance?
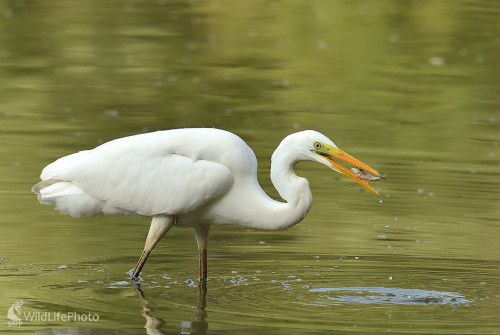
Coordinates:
(386, 295)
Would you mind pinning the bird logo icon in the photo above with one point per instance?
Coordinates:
(14, 311)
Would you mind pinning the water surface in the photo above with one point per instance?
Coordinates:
(409, 87)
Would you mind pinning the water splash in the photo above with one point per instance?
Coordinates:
(383, 295)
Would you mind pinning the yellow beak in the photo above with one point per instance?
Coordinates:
(333, 152)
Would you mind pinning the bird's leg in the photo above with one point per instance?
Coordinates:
(202, 297)
(201, 233)
(202, 255)
(160, 225)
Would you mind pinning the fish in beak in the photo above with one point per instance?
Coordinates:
(360, 175)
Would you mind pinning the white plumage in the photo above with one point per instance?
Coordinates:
(151, 174)
(188, 177)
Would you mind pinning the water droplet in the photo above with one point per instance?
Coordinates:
(321, 45)
(394, 38)
(120, 283)
(191, 46)
(380, 200)
(252, 33)
(387, 225)
(320, 13)
(190, 283)
(390, 277)
(7, 13)
(129, 59)
(111, 112)
(437, 61)
(128, 7)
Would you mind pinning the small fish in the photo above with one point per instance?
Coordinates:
(365, 175)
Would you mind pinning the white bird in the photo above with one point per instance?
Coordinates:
(189, 178)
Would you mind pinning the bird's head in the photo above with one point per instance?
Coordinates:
(317, 147)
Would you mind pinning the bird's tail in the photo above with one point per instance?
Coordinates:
(67, 197)
(48, 190)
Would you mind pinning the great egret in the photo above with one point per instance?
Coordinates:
(189, 178)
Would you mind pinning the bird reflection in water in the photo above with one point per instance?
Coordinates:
(196, 327)
(153, 326)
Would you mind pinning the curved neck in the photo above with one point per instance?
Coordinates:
(275, 215)
(290, 187)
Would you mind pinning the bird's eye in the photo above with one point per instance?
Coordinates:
(317, 145)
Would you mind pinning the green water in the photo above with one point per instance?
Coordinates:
(409, 87)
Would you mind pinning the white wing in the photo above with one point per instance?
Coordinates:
(132, 177)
